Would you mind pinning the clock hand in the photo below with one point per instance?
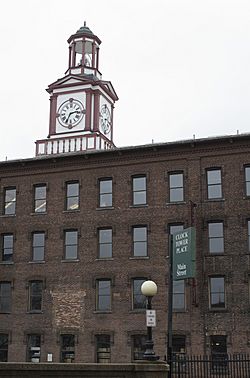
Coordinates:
(76, 111)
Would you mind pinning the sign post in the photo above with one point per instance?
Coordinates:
(182, 254)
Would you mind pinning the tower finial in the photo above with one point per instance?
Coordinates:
(85, 23)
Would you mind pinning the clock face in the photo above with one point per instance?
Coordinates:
(70, 113)
(105, 119)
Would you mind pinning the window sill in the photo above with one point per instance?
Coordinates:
(105, 259)
(176, 203)
(42, 213)
(138, 311)
(211, 310)
(212, 254)
(6, 262)
(35, 312)
(71, 211)
(70, 260)
(8, 216)
(5, 313)
(102, 312)
(37, 262)
(180, 311)
(136, 206)
(139, 258)
(105, 208)
(207, 200)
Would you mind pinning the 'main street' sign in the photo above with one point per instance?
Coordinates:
(184, 254)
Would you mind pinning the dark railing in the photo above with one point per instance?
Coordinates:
(213, 366)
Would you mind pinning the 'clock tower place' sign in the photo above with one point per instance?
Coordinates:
(184, 243)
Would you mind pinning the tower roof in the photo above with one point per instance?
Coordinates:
(84, 31)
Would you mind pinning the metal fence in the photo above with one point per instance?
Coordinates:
(214, 366)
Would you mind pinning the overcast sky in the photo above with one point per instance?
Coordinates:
(180, 67)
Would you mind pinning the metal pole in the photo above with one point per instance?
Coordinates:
(170, 306)
(149, 353)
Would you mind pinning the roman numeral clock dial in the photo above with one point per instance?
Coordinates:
(70, 113)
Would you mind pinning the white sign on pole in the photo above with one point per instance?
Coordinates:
(151, 318)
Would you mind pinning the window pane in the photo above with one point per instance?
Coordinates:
(5, 297)
(67, 348)
(248, 188)
(178, 295)
(34, 348)
(38, 254)
(35, 295)
(7, 247)
(217, 292)
(105, 236)
(175, 228)
(10, 202)
(10, 195)
(105, 200)
(3, 347)
(140, 233)
(104, 295)
(71, 252)
(216, 245)
(215, 229)
(70, 237)
(73, 189)
(176, 195)
(40, 192)
(139, 300)
(103, 349)
(40, 206)
(214, 191)
(140, 249)
(105, 186)
(248, 223)
(176, 180)
(214, 176)
(73, 203)
(38, 239)
(139, 198)
(139, 183)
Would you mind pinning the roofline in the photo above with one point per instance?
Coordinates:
(180, 143)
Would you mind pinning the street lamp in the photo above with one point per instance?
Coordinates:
(149, 289)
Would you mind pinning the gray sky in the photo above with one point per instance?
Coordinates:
(179, 67)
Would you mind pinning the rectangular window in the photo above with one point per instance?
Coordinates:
(4, 343)
(179, 345)
(67, 348)
(103, 295)
(10, 201)
(175, 228)
(34, 348)
(216, 237)
(176, 188)
(35, 295)
(7, 247)
(5, 296)
(217, 292)
(71, 244)
(105, 243)
(105, 192)
(214, 184)
(139, 187)
(219, 352)
(138, 346)
(40, 193)
(247, 180)
(72, 195)
(139, 300)
(38, 246)
(103, 350)
(179, 295)
(140, 241)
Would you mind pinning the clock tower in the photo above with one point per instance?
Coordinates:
(81, 103)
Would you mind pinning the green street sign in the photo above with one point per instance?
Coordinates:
(184, 254)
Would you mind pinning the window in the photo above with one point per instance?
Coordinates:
(35, 295)
(10, 201)
(71, 244)
(38, 246)
(247, 180)
(179, 295)
(139, 300)
(214, 184)
(105, 243)
(105, 192)
(4, 342)
(176, 189)
(103, 295)
(5, 296)
(140, 241)
(7, 247)
(103, 353)
(138, 346)
(217, 292)
(178, 345)
(216, 237)
(34, 348)
(72, 195)
(175, 228)
(139, 190)
(40, 192)
(248, 232)
(67, 348)
(218, 345)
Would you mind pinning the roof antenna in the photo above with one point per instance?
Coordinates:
(85, 24)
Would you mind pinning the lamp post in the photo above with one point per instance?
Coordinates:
(149, 289)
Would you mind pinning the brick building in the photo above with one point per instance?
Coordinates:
(84, 223)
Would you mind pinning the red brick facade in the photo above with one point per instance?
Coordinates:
(69, 286)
